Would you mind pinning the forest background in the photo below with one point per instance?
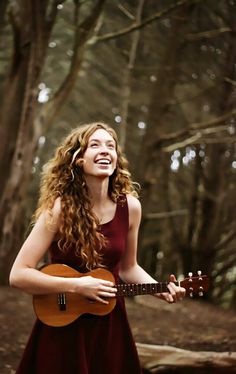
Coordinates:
(163, 75)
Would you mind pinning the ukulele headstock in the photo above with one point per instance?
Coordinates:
(195, 285)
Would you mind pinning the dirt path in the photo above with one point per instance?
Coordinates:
(189, 324)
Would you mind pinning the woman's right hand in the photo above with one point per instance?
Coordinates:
(94, 288)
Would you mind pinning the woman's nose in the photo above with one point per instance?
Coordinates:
(104, 150)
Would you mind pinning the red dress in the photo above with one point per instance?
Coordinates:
(91, 344)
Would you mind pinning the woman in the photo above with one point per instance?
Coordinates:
(88, 216)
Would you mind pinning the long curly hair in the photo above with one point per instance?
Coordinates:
(63, 178)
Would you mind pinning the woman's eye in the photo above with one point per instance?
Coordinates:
(93, 145)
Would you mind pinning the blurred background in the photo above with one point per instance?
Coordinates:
(163, 75)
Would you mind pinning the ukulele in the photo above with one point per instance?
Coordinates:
(63, 308)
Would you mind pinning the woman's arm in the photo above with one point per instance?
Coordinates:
(25, 276)
(130, 271)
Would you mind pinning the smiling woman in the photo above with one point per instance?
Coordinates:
(88, 216)
(100, 156)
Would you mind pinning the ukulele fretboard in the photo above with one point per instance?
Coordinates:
(141, 289)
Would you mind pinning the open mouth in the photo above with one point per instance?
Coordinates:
(103, 161)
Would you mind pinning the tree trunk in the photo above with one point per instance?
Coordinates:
(18, 134)
(151, 161)
(21, 123)
(206, 217)
(126, 89)
(167, 359)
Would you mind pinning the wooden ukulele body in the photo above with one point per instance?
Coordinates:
(62, 309)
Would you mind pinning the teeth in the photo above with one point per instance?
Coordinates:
(104, 162)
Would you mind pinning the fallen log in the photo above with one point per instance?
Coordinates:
(154, 358)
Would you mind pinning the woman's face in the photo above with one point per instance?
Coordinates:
(100, 157)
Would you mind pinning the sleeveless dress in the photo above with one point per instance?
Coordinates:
(91, 344)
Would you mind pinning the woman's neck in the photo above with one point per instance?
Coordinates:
(102, 205)
(98, 190)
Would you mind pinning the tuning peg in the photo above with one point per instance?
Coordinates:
(200, 293)
(199, 274)
(191, 291)
(190, 274)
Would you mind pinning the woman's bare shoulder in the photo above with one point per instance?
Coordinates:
(133, 202)
(56, 209)
(52, 216)
(135, 211)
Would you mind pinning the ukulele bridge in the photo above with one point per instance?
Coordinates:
(61, 301)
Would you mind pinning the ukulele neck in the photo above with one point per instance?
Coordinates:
(141, 289)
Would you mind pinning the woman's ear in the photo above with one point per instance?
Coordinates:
(80, 162)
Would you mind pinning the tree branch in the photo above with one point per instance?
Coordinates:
(225, 240)
(231, 81)
(52, 14)
(191, 140)
(227, 265)
(219, 140)
(154, 357)
(173, 213)
(126, 12)
(191, 134)
(82, 33)
(137, 26)
(199, 138)
(183, 99)
(225, 288)
(208, 34)
(126, 89)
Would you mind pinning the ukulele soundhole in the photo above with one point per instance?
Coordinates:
(61, 301)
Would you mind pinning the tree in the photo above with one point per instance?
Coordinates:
(32, 24)
(204, 237)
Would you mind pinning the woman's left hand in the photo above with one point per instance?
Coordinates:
(176, 293)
